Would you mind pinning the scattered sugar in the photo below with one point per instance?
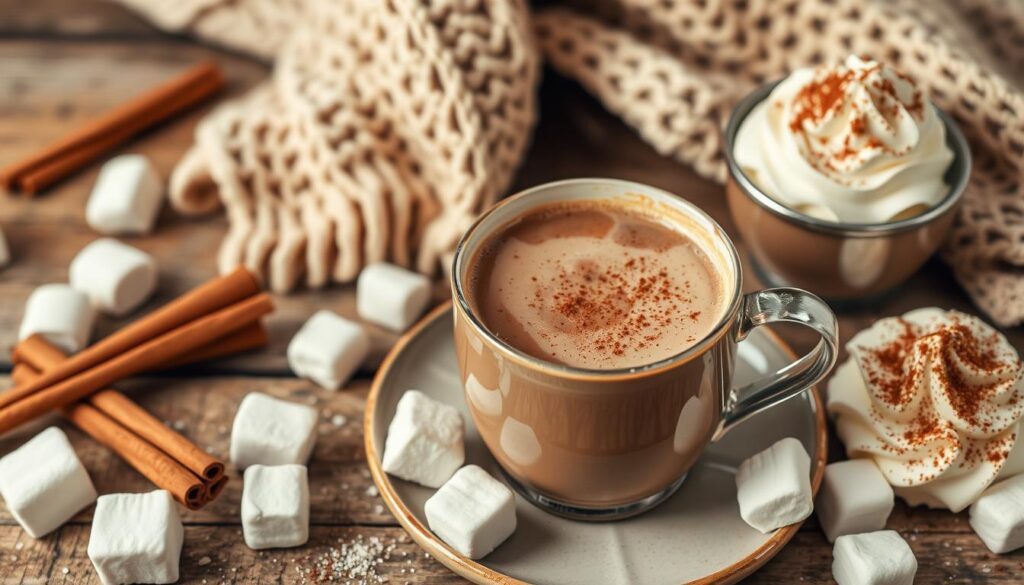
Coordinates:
(354, 561)
(179, 425)
(65, 570)
(19, 546)
(378, 509)
(372, 491)
(339, 420)
(205, 561)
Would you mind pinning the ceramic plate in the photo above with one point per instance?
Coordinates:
(697, 536)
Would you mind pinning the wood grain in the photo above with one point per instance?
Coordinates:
(64, 61)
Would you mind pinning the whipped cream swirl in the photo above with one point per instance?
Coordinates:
(857, 143)
(935, 398)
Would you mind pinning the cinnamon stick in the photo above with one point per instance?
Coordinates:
(214, 489)
(40, 355)
(69, 153)
(209, 297)
(151, 462)
(248, 338)
(140, 358)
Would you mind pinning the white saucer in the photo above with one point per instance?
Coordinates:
(697, 536)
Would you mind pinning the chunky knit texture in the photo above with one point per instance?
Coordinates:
(386, 128)
(390, 123)
(674, 68)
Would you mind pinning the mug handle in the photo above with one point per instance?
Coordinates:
(781, 305)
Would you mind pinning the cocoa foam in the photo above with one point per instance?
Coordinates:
(596, 285)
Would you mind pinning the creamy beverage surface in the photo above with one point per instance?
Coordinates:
(596, 285)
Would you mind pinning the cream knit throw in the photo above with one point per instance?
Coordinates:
(390, 123)
(673, 68)
(387, 126)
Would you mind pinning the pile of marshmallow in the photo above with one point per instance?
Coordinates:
(134, 537)
(471, 511)
(137, 538)
(106, 275)
(774, 490)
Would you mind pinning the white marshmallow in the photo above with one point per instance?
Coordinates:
(328, 349)
(117, 277)
(424, 441)
(126, 198)
(472, 512)
(275, 506)
(61, 314)
(44, 483)
(391, 296)
(774, 487)
(268, 431)
(998, 515)
(874, 558)
(136, 538)
(5, 251)
(854, 498)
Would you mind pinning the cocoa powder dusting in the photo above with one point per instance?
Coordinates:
(826, 93)
(894, 372)
(630, 305)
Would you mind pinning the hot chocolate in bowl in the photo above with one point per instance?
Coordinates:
(841, 261)
(594, 394)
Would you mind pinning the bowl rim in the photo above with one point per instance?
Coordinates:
(954, 138)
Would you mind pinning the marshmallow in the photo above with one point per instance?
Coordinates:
(854, 498)
(424, 441)
(328, 349)
(998, 515)
(5, 251)
(275, 506)
(44, 483)
(472, 512)
(60, 314)
(268, 431)
(117, 277)
(391, 296)
(874, 558)
(136, 538)
(126, 198)
(774, 487)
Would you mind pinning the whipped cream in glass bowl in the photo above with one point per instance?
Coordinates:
(935, 399)
(843, 179)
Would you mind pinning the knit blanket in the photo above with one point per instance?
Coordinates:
(389, 124)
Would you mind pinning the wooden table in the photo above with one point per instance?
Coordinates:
(62, 62)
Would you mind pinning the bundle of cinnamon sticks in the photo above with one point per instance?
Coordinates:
(216, 319)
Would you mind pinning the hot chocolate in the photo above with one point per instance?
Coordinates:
(596, 285)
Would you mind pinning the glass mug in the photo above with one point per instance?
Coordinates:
(606, 444)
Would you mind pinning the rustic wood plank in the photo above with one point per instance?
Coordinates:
(82, 19)
(217, 554)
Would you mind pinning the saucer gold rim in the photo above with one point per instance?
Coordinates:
(481, 574)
